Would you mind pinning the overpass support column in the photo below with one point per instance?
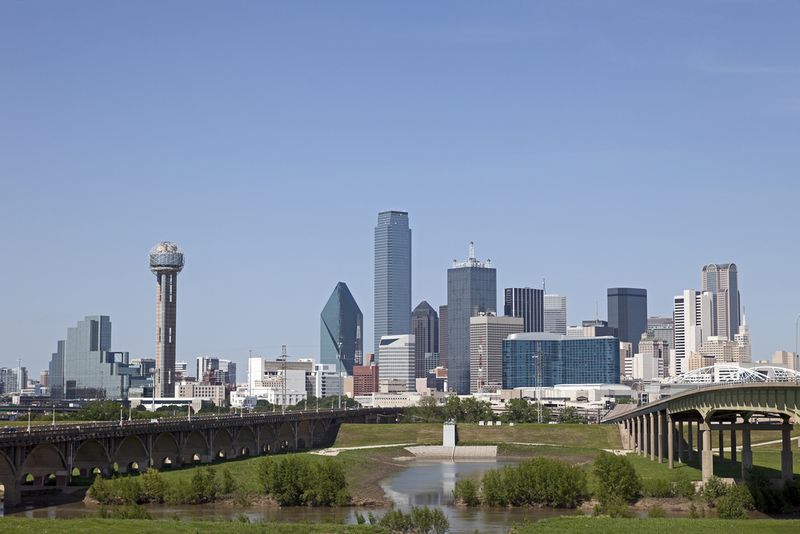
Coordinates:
(630, 434)
(786, 450)
(642, 442)
(733, 444)
(721, 444)
(660, 439)
(680, 442)
(690, 443)
(747, 452)
(635, 435)
(707, 456)
(670, 442)
(653, 436)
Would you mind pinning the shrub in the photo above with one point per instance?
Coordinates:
(656, 512)
(766, 498)
(130, 511)
(713, 489)
(791, 492)
(735, 502)
(493, 489)
(421, 520)
(614, 506)
(154, 487)
(657, 487)
(395, 521)
(295, 480)
(466, 492)
(684, 487)
(204, 487)
(228, 483)
(617, 478)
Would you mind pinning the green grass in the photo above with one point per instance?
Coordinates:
(13, 525)
(590, 436)
(604, 525)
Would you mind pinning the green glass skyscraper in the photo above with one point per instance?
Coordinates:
(341, 322)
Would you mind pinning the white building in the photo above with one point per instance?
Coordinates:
(486, 335)
(786, 359)
(191, 390)
(652, 360)
(626, 360)
(328, 382)
(396, 358)
(555, 314)
(692, 320)
(279, 381)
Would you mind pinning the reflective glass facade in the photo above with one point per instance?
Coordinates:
(341, 320)
(471, 289)
(392, 275)
(425, 327)
(84, 366)
(544, 360)
(627, 312)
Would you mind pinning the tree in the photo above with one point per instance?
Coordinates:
(452, 408)
(570, 414)
(426, 410)
(617, 479)
(475, 410)
(519, 411)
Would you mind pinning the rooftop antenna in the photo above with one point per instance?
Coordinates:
(471, 250)
(544, 285)
(596, 312)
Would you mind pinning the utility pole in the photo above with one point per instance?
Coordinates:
(339, 368)
(283, 357)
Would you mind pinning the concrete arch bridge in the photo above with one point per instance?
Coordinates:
(49, 455)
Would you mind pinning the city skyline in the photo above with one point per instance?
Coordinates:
(579, 109)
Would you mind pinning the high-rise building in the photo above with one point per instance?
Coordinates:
(392, 275)
(44, 378)
(652, 360)
(84, 367)
(443, 335)
(425, 327)
(365, 378)
(721, 280)
(627, 312)
(486, 335)
(471, 290)
(691, 320)
(528, 303)
(544, 360)
(146, 366)
(205, 365)
(9, 380)
(341, 326)
(789, 360)
(625, 360)
(662, 328)
(229, 369)
(555, 314)
(396, 360)
(166, 261)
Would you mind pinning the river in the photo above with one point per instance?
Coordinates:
(422, 483)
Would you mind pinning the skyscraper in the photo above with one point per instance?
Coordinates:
(84, 367)
(528, 303)
(627, 312)
(692, 320)
(662, 328)
(341, 322)
(396, 359)
(392, 275)
(443, 335)
(166, 261)
(555, 314)
(471, 290)
(486, 335)
(425, 327)
(722, 281)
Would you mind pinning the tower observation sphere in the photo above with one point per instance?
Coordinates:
(166, 261)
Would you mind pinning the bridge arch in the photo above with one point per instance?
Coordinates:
(90, 455)
(131, 453)
(42, 462)
(166, 451)
(195, 445)
(286, 437)
(8, 479)
(246, 443)
(269, 439)
(223, 445)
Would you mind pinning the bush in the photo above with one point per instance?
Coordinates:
(493, 489)
(684, 487)
(228, 483)
(657, 487)
(154, 487)
(466, 492)
(791, 492)
(713, 489)
(541, 481)
(766, 498)
(656, 512)
(617, 478)
(613, 506)
(204, 487)
(295, 480)
(125, 490)
(735, 502)
(130, 511)
(421, 520)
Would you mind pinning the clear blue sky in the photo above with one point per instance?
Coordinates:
(596, 144)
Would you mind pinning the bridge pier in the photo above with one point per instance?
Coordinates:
(653, 436)
(690, 452)
(787, 466)
(670, 442)
(707, 456)
(747, 452)
(680, 442)
(733, 444)
(721, 444)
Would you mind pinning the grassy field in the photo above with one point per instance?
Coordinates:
(125, 526)
(590, 436)
(603, 525)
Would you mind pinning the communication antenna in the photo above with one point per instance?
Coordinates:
(544, 285)
(471, 250)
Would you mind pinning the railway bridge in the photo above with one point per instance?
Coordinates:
(679, 428)
(47, 455)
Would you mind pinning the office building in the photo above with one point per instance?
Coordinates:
(280, 381)
(146, 366)
(544, 360)
(341, 330)
(652, 360)
(789, 360)
(392, 275)
(471, 290)
(9, 380)
(396, 360)
(625, 360)
(181, 370)
(44, 377)
(691, 322)
(366, 379)
(228, 369)
(555, 314)
(627, 312)
(486, 335)
(327, 380)
(443, 335)
(662, 328)
(721, 280)
(195, 390)
(528, 303)
(84, 367)
(425, 327)
(166, 261)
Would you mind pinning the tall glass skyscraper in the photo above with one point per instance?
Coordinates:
(555, 314)
(471, 290)
(341, 321)
(528, 303)
(425, 327)
(84, 366)
(544, 360)
(722, 281)
(627, 312)
(392, 275)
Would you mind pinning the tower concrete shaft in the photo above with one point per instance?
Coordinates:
(166, 261)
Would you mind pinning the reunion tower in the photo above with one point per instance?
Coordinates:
(166, 261)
